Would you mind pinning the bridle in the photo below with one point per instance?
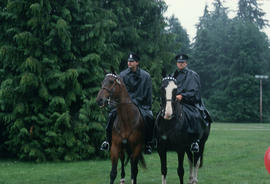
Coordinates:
(173, 101)
(111, 90)
(169, 79)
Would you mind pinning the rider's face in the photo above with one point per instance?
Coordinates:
(133, 65)
(181, 65)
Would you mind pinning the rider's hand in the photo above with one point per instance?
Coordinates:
(179, 97)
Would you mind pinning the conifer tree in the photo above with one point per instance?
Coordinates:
(250, 11)
(50, 51)
(231, 51)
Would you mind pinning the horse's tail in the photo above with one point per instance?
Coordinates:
(127, 160)
(142, 161)
(205, 137)
(201, 162)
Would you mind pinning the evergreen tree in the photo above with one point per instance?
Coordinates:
(211, 48)
(177, 42)
(250, 11)
(52, 54)
(49, 52)
(231, 52)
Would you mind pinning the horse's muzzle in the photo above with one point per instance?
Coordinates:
(167, 117)
(101, 102)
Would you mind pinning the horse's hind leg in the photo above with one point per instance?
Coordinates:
(122, 157)
(180, 169)
(163, 161)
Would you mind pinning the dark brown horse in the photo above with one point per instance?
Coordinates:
(128, 127)
(172, 135)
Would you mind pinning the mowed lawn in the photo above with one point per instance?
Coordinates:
(234, 155)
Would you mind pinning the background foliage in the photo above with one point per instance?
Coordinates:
(52, 55)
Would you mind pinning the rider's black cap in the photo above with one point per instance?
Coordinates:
(181, 58)
(133, 57)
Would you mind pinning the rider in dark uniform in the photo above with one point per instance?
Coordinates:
(139, 87)
(188, 93)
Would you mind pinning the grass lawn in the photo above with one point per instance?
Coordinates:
(234, 154)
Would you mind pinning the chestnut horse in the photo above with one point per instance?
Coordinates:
(128, 127)
(171, 134)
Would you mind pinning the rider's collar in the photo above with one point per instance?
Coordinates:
(184, 70)
(136, 72)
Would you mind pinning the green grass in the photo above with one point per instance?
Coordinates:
(234, 155)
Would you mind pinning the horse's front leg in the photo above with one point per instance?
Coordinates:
(114, 160)
(163, 161)
(134, 170)
(180, 169)
(122, 157)
(194, 165)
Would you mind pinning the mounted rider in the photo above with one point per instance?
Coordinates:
(139, 86)
(188, 93)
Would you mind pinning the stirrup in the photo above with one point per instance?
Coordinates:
(147, 150)
(194, 147)
(105, 146)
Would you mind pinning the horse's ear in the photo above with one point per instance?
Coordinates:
(112, 70)
(163, 73)
(104, 71)
(175, 73)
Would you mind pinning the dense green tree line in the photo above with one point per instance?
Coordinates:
(227, 54)
(52, 56)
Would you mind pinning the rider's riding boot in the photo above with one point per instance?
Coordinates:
(194, 147)
(149, 132)
(105, 146)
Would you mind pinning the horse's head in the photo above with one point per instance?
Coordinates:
(168, 88)
(168, 95)
(110, 89)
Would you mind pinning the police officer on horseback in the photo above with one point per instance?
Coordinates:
(188, 93)
(139, 85)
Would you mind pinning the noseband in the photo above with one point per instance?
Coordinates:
(110, 90)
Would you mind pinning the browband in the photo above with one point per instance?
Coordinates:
(169, 78)
(111, 74)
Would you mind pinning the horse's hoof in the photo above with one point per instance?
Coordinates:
(193, 182)
(122, 181)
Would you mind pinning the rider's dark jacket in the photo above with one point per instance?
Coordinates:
(188, 85)
(139, 87)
